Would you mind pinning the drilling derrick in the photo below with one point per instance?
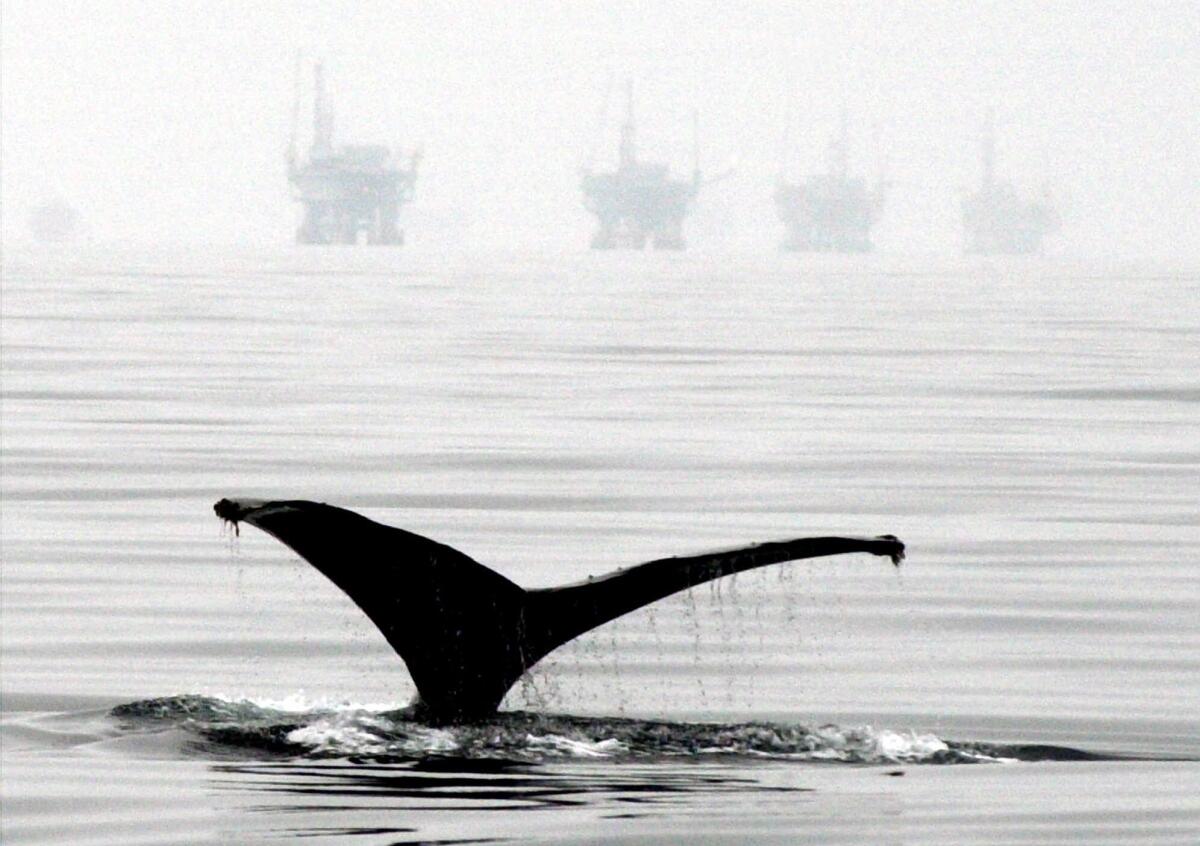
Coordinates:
(639, 202)
(996, 220)
(830, 212)
(348, 191)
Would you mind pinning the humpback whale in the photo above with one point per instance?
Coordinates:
(465, 632)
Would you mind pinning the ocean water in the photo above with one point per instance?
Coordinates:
(1030, 428)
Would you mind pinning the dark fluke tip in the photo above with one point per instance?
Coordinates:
(230, 513)
(895, 549)
(233, 511)
(228, 510)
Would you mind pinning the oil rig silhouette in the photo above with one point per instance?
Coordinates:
(639, 202)
(996, 220)
(350, 191)
(830, 212)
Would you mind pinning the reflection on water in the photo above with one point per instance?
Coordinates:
(462, 784)
(326, 796)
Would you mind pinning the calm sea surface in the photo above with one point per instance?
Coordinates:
(1030, 429)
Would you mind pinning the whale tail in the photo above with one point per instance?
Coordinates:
(465, 632)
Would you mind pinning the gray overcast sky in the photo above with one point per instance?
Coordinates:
(167, 121)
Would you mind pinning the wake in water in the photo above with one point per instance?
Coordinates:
(221, 726)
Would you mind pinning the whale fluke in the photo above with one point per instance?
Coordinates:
(467, 633)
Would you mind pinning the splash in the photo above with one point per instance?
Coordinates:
(347, 731)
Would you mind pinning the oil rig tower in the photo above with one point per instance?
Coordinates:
(830, 212)
(996, 221)
(349, 191)
(639, 202)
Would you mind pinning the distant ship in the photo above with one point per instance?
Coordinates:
(639, 202)
(996, 220)
(351, 191)
(54, 222)
(830, 212)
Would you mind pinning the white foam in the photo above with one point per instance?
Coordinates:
(359, 732)
(576, 748)
(907, 746)
(301, 703)
(864, 743)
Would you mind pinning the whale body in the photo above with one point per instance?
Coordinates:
(465, 632)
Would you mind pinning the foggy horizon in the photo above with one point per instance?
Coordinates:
(168, 123)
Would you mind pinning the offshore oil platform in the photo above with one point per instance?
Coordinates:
(639, 202)
(350, 191)
(830, 212)
(996, 221)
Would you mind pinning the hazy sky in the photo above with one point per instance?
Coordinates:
(168, 121)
